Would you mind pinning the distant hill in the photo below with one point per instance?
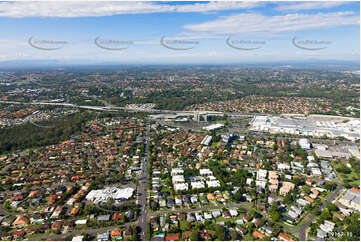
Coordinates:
(46, 64)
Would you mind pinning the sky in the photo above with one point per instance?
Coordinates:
(179, 32)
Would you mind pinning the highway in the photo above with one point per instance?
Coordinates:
(107, 108)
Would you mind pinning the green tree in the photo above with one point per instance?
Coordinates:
(220, 232)
(275, 216)
(194, 235)
(331, 207)
(325, 214)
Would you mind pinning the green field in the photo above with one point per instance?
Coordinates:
(350, 176)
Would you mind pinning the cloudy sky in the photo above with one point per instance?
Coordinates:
(179, 32)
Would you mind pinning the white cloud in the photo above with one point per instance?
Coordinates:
(100, 8)
(309, 5)
(216, 6)
(254, 23)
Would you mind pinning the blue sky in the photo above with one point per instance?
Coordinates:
(193, 32)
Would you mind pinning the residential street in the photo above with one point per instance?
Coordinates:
(91, 231)
(301, 232)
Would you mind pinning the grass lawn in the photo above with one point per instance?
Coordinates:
(215, 144)
(183, 225)
(353, 178)
(248, 237)
(231, 219)
(166, 189)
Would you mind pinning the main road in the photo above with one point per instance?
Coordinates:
(143, 189)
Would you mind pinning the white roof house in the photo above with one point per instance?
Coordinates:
(216, 213)
(282, 166)
(70, 201)
(207, 215)
(292, 214)
(310, 158)
(261, 184)
(312, 164)
(316, 172)
(181, 186)
(326, 227)
(199, 217)
(78, 238)
(176, 171)
(302, 202)
(156, 172)
(261, 174)
(194, 199)
(81, 222)
(178, 201)
(197, 185)
(213, 183)
(205, 172)
(296, 210)
(178, 179)
(233, 212)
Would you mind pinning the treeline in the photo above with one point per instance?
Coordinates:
(177, 99)
(31, 135)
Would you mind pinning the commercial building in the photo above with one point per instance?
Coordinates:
(207, 140)
(213, 127)
(115, 193)
(304, 144)
(351, 199)
(308, 127)
(226, 138)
